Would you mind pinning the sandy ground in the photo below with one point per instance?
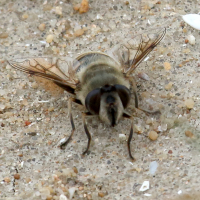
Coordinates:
(33, 120)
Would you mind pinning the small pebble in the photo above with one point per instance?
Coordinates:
(143, 76)
(71, 192)
(17, 176)
(180, 192)
(147, 195)
(145, 186)
(58, 10)
(167, 66)
(189, 103)
(3, 35)
(191, 39)
(32, 133)
(138, 129)
(84, 6)
(7, 179)
(52, 191)
(168, 86)
(75, 170)
(25, 16)
(170, 152)
(153, 167)
(138, 169)
(28, 180)
(50, 109)
(62, 141)
(67, 25)
(101, 194)
(42, 27)
(81, 188)
(63, 197)
(192, 20)
(189, 134)
(153, 135)
(49, 38)
(79, 32)
(49, 197)
(27, 123)
(149, 121)
(170, 95)
(184, 30)
(122, 137)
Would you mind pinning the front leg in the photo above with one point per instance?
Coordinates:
(130, 135)
(86, 131)
(134, 87)
(65, 143)
(133, 84)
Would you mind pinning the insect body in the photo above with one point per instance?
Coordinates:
(103, 89)
(98, 81)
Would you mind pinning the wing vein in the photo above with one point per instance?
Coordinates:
(143, 50)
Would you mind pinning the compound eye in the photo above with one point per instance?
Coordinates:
(124, 94)
(92, 101)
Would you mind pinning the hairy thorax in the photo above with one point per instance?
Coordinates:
(97, 70)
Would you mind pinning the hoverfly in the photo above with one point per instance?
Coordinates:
(98, 81)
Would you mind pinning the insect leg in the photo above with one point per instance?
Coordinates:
(65, 87)
(86, 131)
(64, 144)
(150, 111)
(132, 81)
(130, 135)
(129, 61)
(133, 84)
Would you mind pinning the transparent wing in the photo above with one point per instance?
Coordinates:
(134, 51)
(58, 70)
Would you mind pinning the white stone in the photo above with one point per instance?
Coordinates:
(193, 20)
(145, 186)
(49, 38)
(153, 167)
(191, 39)
(180, 192)
(122, 137)
(71, 192)
(62, 140)
(58, 10)
(63, 197)
(147, 195)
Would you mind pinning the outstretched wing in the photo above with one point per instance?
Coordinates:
(131, 54)
(58, 70)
